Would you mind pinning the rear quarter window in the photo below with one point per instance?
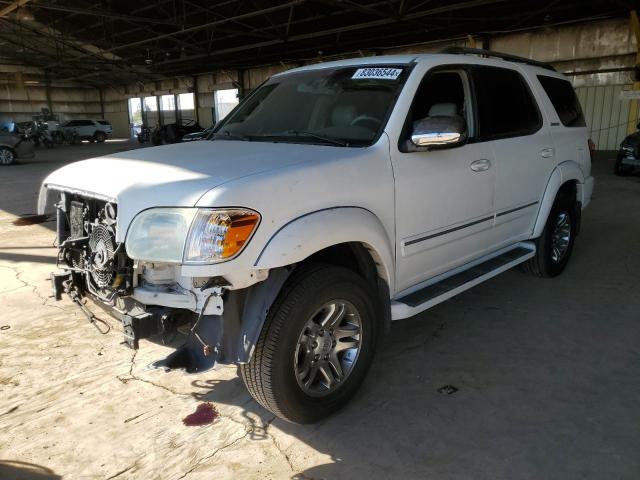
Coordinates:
(564, 100)
(506, 106)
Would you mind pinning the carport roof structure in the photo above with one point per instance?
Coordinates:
(118, 41)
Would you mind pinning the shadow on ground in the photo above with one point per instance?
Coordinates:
(14, 470)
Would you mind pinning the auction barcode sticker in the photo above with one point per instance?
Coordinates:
(377, 73)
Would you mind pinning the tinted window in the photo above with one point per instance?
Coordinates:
(506, 107)
(85, 123)
(564, 100)
(71, 123)
(104, 122)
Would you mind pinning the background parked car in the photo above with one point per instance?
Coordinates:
(174, 132)
(92, 130)
(628, 158)
(14, 146)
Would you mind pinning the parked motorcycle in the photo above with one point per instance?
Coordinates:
(42, 135)
(145, 134)
(71, 136)
(35, 133)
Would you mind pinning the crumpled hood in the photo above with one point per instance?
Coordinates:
(174, 175)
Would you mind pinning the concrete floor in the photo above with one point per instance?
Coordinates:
(547, 373)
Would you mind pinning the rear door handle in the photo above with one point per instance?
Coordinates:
(480, 165)
(546, 152)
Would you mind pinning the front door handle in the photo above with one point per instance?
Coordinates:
(547, 153)
(480, 165)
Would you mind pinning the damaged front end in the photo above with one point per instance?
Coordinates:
(153, 300)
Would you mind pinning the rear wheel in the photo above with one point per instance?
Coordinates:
(316, 346)
(555, 245)
(7, 157)
(620, 169)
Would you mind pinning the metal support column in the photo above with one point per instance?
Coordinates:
(633, 108)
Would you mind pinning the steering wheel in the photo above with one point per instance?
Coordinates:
(371, 123)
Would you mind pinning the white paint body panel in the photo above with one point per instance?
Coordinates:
(312, 196)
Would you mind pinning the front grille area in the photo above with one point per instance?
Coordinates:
(88, 247)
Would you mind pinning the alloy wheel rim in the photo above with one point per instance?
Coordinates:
(328, 348)
(5, 156)
(561, 237)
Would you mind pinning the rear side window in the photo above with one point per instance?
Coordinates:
(506, 107)
(564, 100)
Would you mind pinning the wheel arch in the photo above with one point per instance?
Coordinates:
(331, 230)
(566, 177)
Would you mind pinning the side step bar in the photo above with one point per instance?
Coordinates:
(449, 284)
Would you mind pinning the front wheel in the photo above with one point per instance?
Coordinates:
(555, 245)
(316, 346)
(99, 137)
(7, 157)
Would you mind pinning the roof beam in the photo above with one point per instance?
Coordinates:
(4, 12)
(108, 14)
(343, 29)
(206, 25)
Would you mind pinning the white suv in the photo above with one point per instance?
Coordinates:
(92, 130)
(334, 199)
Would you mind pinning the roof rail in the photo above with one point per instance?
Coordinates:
(489, 53)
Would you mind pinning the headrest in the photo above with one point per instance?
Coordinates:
(443, 110)
(343, 115)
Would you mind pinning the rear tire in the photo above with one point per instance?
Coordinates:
(619, 169)
(555, 245)
(309, 360)
(7, 156)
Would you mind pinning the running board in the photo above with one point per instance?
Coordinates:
(449, 284)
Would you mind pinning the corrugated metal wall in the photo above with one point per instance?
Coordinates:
(608, 117)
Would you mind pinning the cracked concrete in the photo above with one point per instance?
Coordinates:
(546, 372)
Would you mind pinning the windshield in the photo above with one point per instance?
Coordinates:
(346, 106)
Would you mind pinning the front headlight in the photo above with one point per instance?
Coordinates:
(217, 235)
(190, 235)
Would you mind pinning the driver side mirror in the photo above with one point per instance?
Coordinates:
(438, 132)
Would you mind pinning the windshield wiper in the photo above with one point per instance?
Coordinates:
(304, 133)
(231, 136)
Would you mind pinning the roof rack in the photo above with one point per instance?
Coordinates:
(489, 53)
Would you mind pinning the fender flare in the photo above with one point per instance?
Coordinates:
(303, 236)
(563, 173)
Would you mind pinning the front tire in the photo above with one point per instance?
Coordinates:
(7, 157)
(100, 137)
(316, 346)
(555, 245)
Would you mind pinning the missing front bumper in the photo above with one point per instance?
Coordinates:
(200, 350)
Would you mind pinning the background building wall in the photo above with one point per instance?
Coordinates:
(597, 56)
